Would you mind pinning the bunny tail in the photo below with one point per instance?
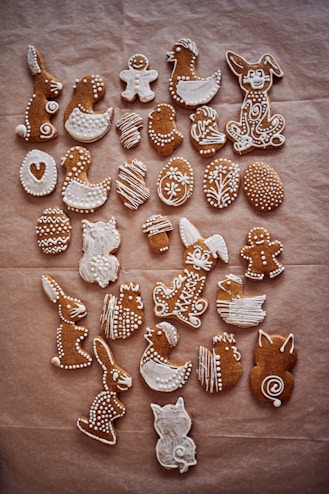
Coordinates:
(21, 130)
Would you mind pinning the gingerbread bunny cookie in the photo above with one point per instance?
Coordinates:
(80, 120)
(69, 336)
(41, 108)
(258, 128)
(138, 79)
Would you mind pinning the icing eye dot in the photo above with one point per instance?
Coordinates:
(115, 376)
(227, 348)
(228, 283)
(159, 333)
(178, 49)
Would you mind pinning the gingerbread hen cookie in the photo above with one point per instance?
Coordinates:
(41, 107)
(138, 79)
(204, 131)
(80, 120)
(162, 131)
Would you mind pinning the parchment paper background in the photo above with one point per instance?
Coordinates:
(244, 446)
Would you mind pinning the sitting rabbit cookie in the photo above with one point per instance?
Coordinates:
(106, 407)
(138, 79)
(69, 336)
(80, 120)
(40, 109)
(258, 128)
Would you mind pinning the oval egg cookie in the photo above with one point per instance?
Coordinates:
(53, 231)
(263, 186)
(221, 182)
(175, 182)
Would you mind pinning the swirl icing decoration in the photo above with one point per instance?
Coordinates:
(272, 387)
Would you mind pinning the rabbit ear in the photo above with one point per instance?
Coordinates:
(269, 63)
(33, 60)
(51, 288)
(188, 233)
(237, 63)
(103, 353)
(218, 247)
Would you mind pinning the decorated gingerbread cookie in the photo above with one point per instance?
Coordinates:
(53, 231)
(182, 300)
(138, 79)
(81, 121)
(235, 307)
(162, 131)
(70, 354)
(41, 108)
(204, 131)
(174, 448)
(79, 194)
(100, 241)
(186, 87)
(175, 182)
(38, 173)
(258, 127)
(221, 182)
(122, 315)
(106, 406)
(129, 125)
(130, 185)
(271, 380)
(261, 254)
(157, 371)
(263, 186)
(156, 228)
(220, 368)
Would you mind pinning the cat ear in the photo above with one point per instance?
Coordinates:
(262, 336)
(288, 344)
(180, 403)
(156, 410)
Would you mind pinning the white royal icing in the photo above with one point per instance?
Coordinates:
(138, 79)
(34, 179)
(88, 127)
(176, 182)
(221, 182)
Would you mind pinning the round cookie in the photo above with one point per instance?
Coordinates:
(221, 182)
(263, 186)
(53, 231)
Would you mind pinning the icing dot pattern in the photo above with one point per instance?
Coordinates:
(263, 186)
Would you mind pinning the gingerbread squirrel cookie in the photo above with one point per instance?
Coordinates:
(157, 371)
(258, 127)
(100, 241)
(235, 307)
(41, 107)
(221, 182)
(70, 354)
(270, 379)
(80, 120)
(130, 185)
(182, 299)
(53, 231)
(106, 406)
(129, 125)
(162, 131)
(204, 131)
(38, 173)
(261, 254)
(123, 315)
(220, 368)
(186, 87)
(175, 182)
(138, 79)
(156, 228)
(79, 194)
(263, 186)
(174, 448)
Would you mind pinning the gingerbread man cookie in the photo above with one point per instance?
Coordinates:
(138, 79)
(261, 254)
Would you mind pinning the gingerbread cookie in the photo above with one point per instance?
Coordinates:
(235, 307)
(106, 406)
(78, 193)
(258, 128)
(130, 185)
(270, 379)
(186, 87)
(123, 315)
(138, 79)
(80, 120)
(175, 182)
(261, 254)
(174, 448)
(162, 131)
(263, 186)
(204, 131)
(221, 182)
(156, 228)
(38, 173)
(41, 108)
(53, 231)
(100, 241)
(157, 371)
(182, 299)
(220, 368)
(129, 125)
(70, 354)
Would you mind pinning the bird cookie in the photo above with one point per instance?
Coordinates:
(80, 120)
(162, 131)
(186, 87)
(138, 79)
(261, 254)
(157, 371)
(204, 131)
(78, 193)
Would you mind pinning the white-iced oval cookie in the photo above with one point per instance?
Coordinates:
(221, 182)
(175, 182)
(53, 231)
(38, 173)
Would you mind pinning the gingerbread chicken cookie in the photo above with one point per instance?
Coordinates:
(204, 131)
(261, 254)
(138, 79)
(80, 120)
(41, 107)
(162, 131)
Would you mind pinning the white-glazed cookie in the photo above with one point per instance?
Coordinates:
(138, 79)
(175, 182)
(38, 173)
(130, 185)
(53, 231)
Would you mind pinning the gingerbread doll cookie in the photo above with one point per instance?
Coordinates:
(138, 79)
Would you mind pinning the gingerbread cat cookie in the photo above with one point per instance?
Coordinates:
(162, 131)
(138, 79)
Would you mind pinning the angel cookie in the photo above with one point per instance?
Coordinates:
(80, 120)
(138, 79)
